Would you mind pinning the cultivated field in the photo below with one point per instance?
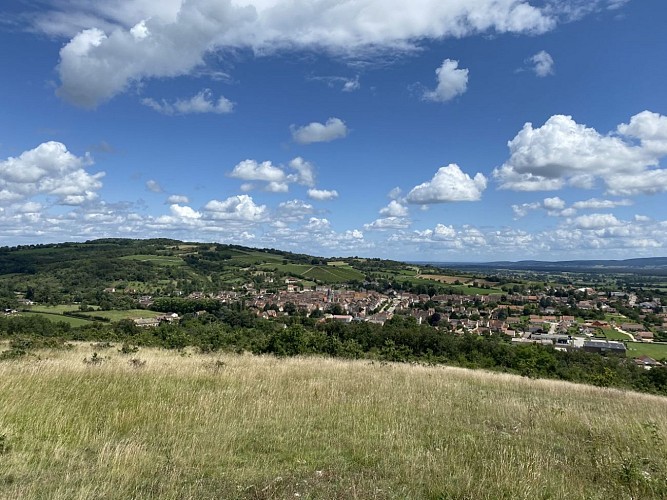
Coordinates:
(320, 273)
(194, 426)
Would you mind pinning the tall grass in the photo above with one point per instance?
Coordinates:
(194, 426)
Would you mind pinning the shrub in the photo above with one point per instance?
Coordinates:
(12, 354)
(95, 359)
(128, 349)
(101, 345)
(137, 363)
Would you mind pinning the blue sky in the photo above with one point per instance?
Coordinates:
(423, 130)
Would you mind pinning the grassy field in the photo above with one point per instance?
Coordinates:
(618, 318)
(611, 334)
(199, 427)
(59, 309)
(250, 258)
(129, 314)
(656, 351)
(337, 263)
(58, 317)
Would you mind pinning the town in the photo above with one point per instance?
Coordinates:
(594, 323)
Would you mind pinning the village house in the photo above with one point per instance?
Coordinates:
(153, 322)
(646, 362)
(644, 336)
(146, 322)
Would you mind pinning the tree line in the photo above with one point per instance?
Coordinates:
(399, 340)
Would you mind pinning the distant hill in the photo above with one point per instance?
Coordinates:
(62, 273)
(652, 265)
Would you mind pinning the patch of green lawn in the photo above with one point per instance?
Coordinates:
(59, 309)
(58, 317)
(129, 314)
(656, 351)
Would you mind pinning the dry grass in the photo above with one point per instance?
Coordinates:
(228, 426)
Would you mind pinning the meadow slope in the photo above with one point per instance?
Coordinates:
(175, 426)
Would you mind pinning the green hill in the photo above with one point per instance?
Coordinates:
(79, 272)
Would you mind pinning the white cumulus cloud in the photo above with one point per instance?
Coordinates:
(386, 223)
(277, 187)
(154, 186)
(449, 183)
(442, 232)
(178, 199)
(51, 170)
(563, 152)
(394, 209)
(353, 234)
(334, 128)
(118, 43)
(315, 224)
(651, 130)
(30, 207)
(395, 193)
(525, 208)
(543, 63)
(202, 102)
(554, 203)
(451, 82)
(241, 208)
(322, 194)
(596, 221)
(305, 171)
(251, 170)
(276, 178)
(598, 204)
(293, 210)
(184, 212)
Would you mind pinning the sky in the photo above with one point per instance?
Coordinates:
(429, 130)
